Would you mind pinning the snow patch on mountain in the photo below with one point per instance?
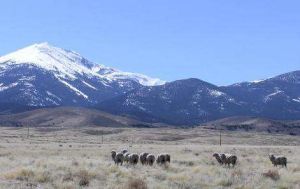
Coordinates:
(3, 87)
(52, 101)
(297, 99)
(53, 95)
(89, 85)
(257, 81)
(270, 96)
(142, 79)
(26, 78)
(216, 93)
(27, 84)
(32, 94)
(78, 92)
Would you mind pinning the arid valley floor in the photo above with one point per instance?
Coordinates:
(80, 158)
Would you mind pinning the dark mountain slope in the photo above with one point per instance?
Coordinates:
(276, 98)
(180, 102)
(192, 101)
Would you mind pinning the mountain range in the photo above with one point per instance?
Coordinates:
(193, 101)
(41, 76)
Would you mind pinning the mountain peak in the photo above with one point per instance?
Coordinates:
(68, 64)
(41, 47)
(42, 44)
(45, 43)
(42, 55)
(34, 52)
(191, 82)
(45, 47)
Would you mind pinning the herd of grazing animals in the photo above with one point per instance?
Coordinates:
(148, 159)
(144, 158)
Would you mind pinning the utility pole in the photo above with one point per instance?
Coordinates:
(28, 131)
(132, 140)
(220, 138)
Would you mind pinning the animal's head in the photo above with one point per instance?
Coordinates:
(215, 155)
(113, 154)
(124, 151)
(271, 157)
(157, 160)
(223, 156)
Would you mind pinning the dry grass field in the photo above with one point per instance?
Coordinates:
(80, 158)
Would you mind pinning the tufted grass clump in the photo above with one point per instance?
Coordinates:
(136, 183)
(20, 174)
(272, 174)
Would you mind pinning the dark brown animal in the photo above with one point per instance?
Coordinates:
(133, 159)
(113, 155)
(150, 159)
(161, 159)
(143, 158)
(278, 160)
(119, 158)
(168, 158)
(228, 159)
(218, 158)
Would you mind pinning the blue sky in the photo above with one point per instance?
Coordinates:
(220, 41)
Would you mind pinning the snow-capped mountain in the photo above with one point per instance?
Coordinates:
(67, 64)
(43, 75)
